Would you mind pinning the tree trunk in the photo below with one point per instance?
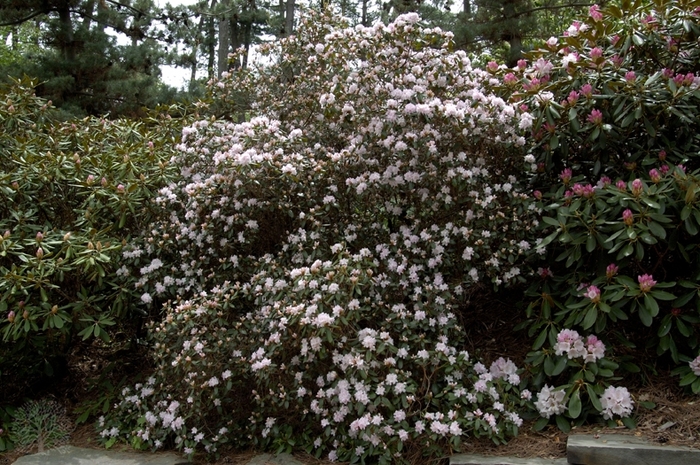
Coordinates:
(467, 7)
(211, 43)
(224, 36)
(516, 50)
(513, 37)
(246, 42)
(365, 21)
(289, 17)
(195, 51)
(89, 10)
(66, 42)
(235, 40)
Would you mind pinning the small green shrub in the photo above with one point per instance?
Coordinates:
(42, 424)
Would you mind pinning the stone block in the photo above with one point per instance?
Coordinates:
(620, 449)
(473, 459)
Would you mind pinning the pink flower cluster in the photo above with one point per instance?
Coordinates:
(646, 282)
(569, 342)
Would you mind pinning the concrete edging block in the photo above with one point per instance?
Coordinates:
(472, 459)
(620, 449)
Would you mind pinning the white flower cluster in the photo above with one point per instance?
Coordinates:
(695, 365)
(550, 401)
(616, 401)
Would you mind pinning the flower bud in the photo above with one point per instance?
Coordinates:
(637, 187)
(11, 316)
(39, 236)
(54, 309)
(628, 217)
(39, 253)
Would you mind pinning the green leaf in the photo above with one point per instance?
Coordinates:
(554, 142)
(589, 319)
(665, 326)
(629, 422)
(662, 295)
(651, 304)
(563, 424)
(651, 130)
(540, 423)
(540, 339)
(559, 366)
(626, 251)
(645, 315)
(656, 229)
(590, 243)
(689, 378)
(683, 328)
(551, 221)
(696, 386)
(575, 405)
(549, 366)
(593, 397)
(685, 213)
(629, 119)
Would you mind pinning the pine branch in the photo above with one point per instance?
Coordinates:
(17, 22)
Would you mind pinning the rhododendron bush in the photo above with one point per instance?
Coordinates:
(313, 259)
(615, 151)
(71, 195)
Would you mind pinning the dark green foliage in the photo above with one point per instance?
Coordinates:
(72, 194)
(615, 145)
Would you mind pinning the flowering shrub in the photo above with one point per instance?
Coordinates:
(314, 256)
(71, 195)
(614, 159)
(327, 360)
(587, 391)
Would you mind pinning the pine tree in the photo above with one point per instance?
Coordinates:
(506, 28)
(81, 66)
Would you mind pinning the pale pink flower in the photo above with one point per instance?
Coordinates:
(616, 401)
(593, 293)
(695, 365)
